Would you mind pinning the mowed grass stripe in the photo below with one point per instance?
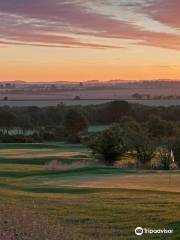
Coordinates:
(53, 145)
(43, 160)
(98, 213)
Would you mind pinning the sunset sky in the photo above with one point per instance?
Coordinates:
(53, 40)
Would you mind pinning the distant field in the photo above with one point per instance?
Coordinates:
(99, 202)
(44, 103)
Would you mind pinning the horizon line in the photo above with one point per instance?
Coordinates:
(88, 80)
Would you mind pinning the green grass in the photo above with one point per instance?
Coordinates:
(52, 145)
(113, 212)
(96, 213)
(97, 128)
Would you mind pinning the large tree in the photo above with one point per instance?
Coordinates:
(113, 112)
(75, 122)
(23, 121)
(159, 128)
(109, 145)
(141, 142)
(7, 120)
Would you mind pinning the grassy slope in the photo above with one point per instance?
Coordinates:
(116, 212)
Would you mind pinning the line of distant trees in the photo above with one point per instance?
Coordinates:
(70, 123)
(139, 96)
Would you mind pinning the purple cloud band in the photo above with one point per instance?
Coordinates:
(165, 11)
(63, 23)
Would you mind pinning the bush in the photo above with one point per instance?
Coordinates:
(109, 145)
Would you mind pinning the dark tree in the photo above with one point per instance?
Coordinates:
(159, 128)
(7, 119)
(75, 122)
(5, 98)
(23, 121)
(109, 145)
(176, 151)
(165, 158)
(114, 111)
(142, 145)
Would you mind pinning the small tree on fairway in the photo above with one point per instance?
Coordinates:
(109, 144)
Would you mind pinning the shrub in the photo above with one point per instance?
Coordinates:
(109, 145)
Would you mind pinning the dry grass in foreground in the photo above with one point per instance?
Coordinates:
(23, 224)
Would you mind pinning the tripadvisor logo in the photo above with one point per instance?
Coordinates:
(140, 231)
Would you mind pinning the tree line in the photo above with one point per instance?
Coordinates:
(154, 139)
(69, 123)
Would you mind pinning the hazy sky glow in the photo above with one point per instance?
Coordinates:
(49, 40)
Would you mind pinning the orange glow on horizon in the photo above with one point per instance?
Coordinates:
(41, 64)
(48, 74)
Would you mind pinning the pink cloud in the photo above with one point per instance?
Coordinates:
(52, 23)
(165, 11)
